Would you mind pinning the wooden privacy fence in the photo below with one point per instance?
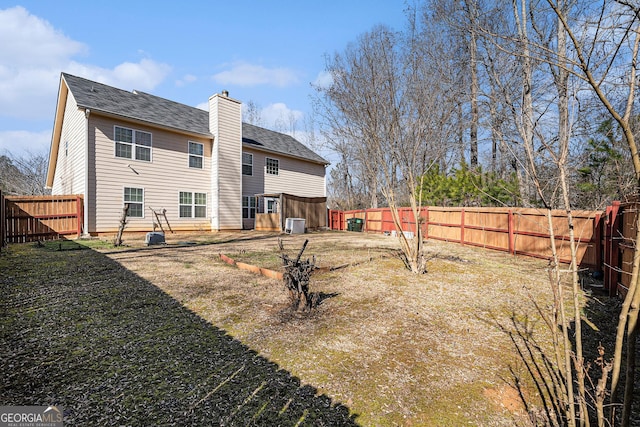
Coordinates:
(620, 243)
(31, 218)
(603, 236)
(3, 240)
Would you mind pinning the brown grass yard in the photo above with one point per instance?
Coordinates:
(173, 335)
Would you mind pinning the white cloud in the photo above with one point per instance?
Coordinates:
(245, 74)
(144, 75)
(203, 106)
(20, 142)
(32, 55)
(188, 78)
(279, 113)
(323, 80)
(29, 41)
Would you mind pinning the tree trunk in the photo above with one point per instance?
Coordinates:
(561, 82)
(570, 411)
(632, 336)
(123, 223)
(526, 118)
(579, 359)
(473, 53)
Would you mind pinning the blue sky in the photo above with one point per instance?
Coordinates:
(268, 52)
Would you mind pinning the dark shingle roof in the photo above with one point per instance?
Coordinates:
(255, 136)
(155, 110)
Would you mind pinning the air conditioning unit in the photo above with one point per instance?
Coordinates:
(155, 238)
(294, 226)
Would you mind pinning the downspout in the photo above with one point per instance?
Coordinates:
(215, 147)
(283, 220)
(85, 202)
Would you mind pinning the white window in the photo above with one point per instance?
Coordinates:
(135, 198)
(193, 205)
(248, 207)
(196, 155)
(247, 164)
(273, 166)
(132, 144)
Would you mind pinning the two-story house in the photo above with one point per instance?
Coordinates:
(204, 169)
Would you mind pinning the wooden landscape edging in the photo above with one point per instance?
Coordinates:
(252, 268)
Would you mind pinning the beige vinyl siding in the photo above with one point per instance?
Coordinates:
(163, 178)
(297, 177)
(70, 168)
(254, 184)
(226, 126)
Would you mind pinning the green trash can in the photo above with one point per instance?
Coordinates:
(350, 224)
(355, 224)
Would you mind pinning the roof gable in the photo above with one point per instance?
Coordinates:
(152, 109)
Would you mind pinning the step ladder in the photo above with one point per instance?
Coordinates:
(160, 214)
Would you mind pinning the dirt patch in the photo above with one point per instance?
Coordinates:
(506, 398)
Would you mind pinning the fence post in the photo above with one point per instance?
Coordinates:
(462, 226)
(611, 261)
(79, 216)
(366, 220)
(510, 227)
(426, 223)
(597, 239)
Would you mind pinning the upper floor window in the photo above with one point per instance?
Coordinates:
(247, 164)
(133, 144)
(193, 205)
(196, 155)
(135, 198)
(273, 166)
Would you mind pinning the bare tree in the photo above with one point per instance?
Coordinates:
(607, 62)
(599, 46)
(460, 18)
(24, 174)
(389, 102)
(251, 113)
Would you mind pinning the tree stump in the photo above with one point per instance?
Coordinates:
(123, 222)
(296, 277)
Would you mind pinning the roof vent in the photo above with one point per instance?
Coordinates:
(135, 92)
(225, 93)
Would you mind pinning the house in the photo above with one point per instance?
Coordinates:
(204, 169)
